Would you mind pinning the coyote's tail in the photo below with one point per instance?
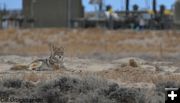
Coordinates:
(19, 67)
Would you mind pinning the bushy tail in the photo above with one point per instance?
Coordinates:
(19, 67)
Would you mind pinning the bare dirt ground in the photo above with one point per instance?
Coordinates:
(104, 53)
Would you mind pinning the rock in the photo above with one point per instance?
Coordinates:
(148, 67)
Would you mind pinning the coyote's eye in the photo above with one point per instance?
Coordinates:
(57, 57)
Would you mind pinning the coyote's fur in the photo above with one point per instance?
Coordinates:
(53, 62)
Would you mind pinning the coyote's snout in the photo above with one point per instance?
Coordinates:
(53, 62)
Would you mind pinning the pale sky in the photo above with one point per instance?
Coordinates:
(117, 4)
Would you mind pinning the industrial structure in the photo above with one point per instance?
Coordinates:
(149, 18)
(52, 13)
(177, 13)
(70, 13)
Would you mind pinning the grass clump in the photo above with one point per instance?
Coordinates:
(74, 89)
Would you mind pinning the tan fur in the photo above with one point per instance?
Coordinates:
(19, 67)
(54, 62)
(133, 63)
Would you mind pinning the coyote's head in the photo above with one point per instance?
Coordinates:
(57, 55)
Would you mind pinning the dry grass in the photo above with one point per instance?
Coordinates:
(88, 41)
(138, 75)
(74, 89)
(129, 74)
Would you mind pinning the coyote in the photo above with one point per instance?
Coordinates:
(53, 62)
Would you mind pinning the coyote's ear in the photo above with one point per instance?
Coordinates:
(51, 48)
(61, 49)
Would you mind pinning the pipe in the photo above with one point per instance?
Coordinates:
(127, 7)
(154, 4)
(69, 13)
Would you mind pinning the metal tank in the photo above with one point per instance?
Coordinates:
(52, 13)
(177, 13)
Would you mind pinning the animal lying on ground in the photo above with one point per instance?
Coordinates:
(53, 62)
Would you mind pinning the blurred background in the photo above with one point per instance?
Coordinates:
(91, 28)
(116, 14)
